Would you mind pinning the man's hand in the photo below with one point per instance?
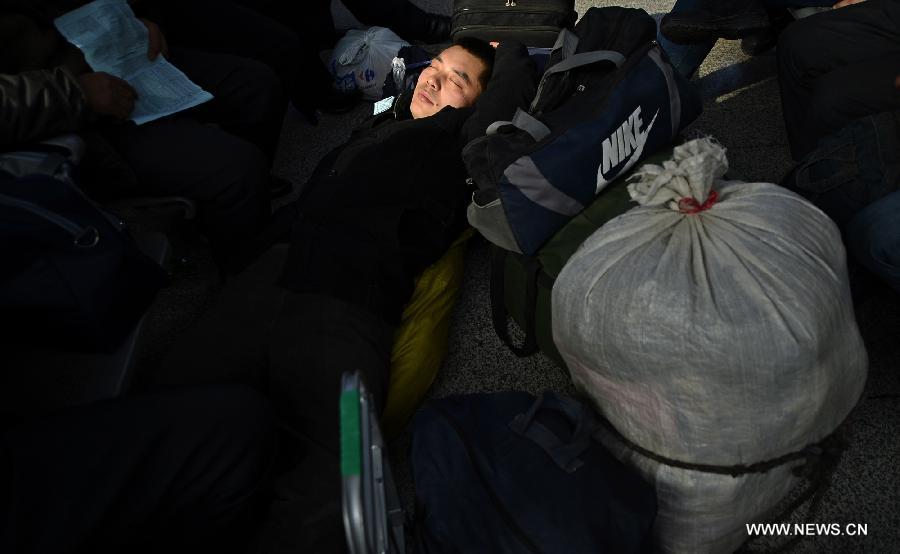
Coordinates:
(108, 95)
(845, 3)
(157, 43)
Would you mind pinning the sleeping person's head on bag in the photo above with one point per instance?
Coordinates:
(455, 77)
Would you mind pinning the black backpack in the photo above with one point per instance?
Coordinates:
(71, 274)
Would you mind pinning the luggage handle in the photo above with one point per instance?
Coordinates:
(566, 455)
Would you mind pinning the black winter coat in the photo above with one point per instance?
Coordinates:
(389, 202)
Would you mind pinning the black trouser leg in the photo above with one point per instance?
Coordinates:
(401, 16)
(296, 347)
(174, 471)
(836, 66)
(248, 102)
(249, 31)
(222, 167)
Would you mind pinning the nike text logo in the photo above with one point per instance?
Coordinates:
(623, 147)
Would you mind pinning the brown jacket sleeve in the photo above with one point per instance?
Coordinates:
(35, 105)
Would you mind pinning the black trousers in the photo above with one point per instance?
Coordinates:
(313, 19)
(240, 28)
(219, 153)
(174, 471)
(837, 66)
(294, 347)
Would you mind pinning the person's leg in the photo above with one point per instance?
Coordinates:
(236, 29)
(403, 17)
(704, 21)
(851, 168)
(873, 238)
(776, 4)
(229, 343)
(316, 340)
(227, 176)
(815, 46)
(686, 58)
(248, 99)
(312, 20)
(174, 471)
(199, 154)
(847, 93)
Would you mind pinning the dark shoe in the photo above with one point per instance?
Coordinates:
(725, 19)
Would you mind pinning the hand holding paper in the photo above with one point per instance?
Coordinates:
(108, 95)
(115, 42)
(156, 40)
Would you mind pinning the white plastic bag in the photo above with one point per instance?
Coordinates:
(361, 60)
(711, 325)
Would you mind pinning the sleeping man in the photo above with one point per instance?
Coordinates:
(376, 212)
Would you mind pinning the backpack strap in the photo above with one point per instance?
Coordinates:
(586, 58)
(525, 121)
(498, 302)
(655, 54)
(565, 451)
(565, 45)
(574, 61)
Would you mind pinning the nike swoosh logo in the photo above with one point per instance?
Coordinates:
(640, 140)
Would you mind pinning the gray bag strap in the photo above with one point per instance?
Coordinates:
(565, 46)
(525, 121)
(674, 97)
(566, 43)
(585, 58)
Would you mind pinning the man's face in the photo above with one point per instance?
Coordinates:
(452, 79)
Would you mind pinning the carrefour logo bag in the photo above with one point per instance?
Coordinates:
(362, 59)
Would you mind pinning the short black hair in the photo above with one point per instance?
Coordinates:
(481, 50)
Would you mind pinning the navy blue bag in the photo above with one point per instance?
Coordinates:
(608, 98)
(505, 473)
(71, 276)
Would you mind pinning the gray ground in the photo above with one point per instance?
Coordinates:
(747, 120)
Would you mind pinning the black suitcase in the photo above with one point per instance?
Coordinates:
(531, 22)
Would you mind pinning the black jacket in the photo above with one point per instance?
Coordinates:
(389, 202)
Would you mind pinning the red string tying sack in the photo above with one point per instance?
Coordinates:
(689, 205)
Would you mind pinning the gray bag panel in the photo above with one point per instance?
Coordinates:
(528, 179)
(490, 221)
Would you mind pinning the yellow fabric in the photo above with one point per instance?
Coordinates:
(421, 340)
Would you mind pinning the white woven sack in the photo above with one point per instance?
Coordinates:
(362, 60)
(711, 328)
